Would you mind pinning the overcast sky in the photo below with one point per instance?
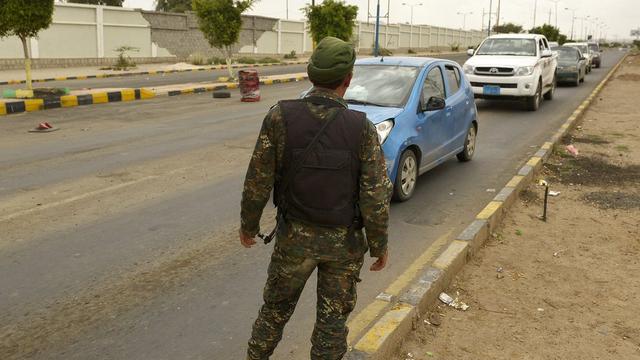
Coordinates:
(620, 15)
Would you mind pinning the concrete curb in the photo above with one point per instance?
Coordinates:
(14, 107)
(150, 72)
(382, 339)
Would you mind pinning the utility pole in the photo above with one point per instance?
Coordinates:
(498, 15)
(535, 9)
(464, 18)
(376, 48)
(287, 9)
(555, 2)
(549, 17)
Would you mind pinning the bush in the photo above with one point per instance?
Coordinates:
(197, 59)
(245, 60)
(384, 52)
(268, 60)
(216, 61)
(455, 47)
(291, 55)
(124, 61)
(411, 51)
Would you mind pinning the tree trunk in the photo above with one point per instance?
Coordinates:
(27, 61)
(228, 59)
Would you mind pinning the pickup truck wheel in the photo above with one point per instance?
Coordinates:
(549, 95)
(469, 145)
(533, 102)
(406, 178)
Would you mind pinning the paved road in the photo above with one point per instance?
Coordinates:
(119, 231)
(138, 81)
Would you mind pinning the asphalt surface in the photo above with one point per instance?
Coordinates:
(138, 81)
(119, 231)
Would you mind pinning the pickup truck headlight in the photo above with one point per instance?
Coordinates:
(524, 71)
(468, 69)
(384, 129)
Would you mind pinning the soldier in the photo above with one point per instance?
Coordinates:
(330, 181)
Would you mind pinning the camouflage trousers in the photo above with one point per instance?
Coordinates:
(336, 293)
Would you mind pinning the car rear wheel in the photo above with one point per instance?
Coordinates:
(533, 102)
(407, 177)
(469, 145)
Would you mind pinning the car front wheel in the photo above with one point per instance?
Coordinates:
(407, 177)
(469, 145)
(533, 102)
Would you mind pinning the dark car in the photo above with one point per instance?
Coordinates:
(595, 50)
(572, 65)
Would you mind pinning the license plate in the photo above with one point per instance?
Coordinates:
(491, 90)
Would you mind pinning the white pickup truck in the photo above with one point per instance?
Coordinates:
(513, 66)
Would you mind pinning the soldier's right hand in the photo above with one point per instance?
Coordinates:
(381, 262)
(246, 240)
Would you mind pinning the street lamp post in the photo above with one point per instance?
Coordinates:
(490, 9)
(411, 23)
(573, 19)
(464, 18)
(556, 2)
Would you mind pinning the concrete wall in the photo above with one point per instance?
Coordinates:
(94, 32)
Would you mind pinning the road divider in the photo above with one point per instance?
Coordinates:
(384, 336)
(101, 96)
(150, 72)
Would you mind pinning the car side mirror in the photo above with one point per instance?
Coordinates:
(470, 52)
(434, 103)
(546, 53)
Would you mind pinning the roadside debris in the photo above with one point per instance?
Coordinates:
(572, 150)
(554, 193)
(384, 297)
(558, 253)
(44, 127)
(491, 190)
(454, 303)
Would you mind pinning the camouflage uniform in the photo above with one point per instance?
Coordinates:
(300, 248)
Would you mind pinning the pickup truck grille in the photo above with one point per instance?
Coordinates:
(504, 86)
(494, 71)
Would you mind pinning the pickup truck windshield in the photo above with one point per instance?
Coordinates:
(514, 47)
(381, 85)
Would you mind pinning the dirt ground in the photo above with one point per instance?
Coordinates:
(567, 288)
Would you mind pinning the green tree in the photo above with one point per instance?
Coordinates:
(25, 19)
(331, 18)
(508, 28)
(220, 21)
(173, 5)
(549, 31)
(98, 2)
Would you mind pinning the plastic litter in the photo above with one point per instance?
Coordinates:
(554, 193)
(454, 303)
(572, 150)
(384, 297)
(491, 190)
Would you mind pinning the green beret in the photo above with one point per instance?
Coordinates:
(331, 61)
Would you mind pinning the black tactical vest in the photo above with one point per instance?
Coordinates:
(324, 191)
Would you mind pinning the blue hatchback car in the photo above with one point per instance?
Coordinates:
(424, 112)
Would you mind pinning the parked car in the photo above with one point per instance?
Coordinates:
(572, 65)
(513, 66)
(424, 112)
(596, 51)
(584, 49)
(553, 44)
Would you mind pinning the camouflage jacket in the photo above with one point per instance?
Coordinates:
(304, 239)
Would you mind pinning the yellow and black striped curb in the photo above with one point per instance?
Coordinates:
(19, 106)
(382, 339)
(150, 72)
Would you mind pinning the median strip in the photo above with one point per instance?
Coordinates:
(101, 96)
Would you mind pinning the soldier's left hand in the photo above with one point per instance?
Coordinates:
(246, 240)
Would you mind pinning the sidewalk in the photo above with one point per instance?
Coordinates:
(567, 288)
(92, 72)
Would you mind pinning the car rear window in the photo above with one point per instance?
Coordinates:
(454, 79)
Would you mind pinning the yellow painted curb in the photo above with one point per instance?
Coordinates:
(128, 95)
(383, 329)
(100, 98)
(547, 146)
(147, 94)
(489, 210)
(3, 109)
(450, 255)
(534, 161)
(33, 105)
(515, 181)
(68, 101)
